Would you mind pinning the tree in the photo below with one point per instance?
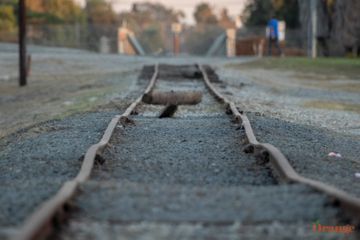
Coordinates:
(152, 22)
(225, 21)
(204, 14)
(258, 12)
(54, 11)
(99, 12)
(346, 28)
(7, 18)
(35, 6)
(157, 12)
(287, 10)
(338, 30)
(101, 21)
(67, 11)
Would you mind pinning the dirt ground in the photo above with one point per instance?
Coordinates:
(60, 84)
(65, 81)
(296, 91)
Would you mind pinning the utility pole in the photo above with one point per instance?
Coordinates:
(313, 17)
(176, 44)
(22, 44)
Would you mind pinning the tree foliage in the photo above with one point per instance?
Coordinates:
(338, 29)
(8, 13)
(150, 22)
(346, 27)
(157, 12)
(53, 11)
(101, 20)
(225, 21)
(204, 14)
(99, 12)
(8, 18)
(258, 12)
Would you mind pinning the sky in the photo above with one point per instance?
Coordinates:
(234, 7)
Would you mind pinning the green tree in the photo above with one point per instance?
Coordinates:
(99, 12)
(55, 22)
(289, 12)
(54, 11)
(204, 14)
(101, 21)
(7, 18)
(66, 11)
(258, 12)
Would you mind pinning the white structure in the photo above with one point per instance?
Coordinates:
(282, 31)
(127, 43)
(231, 42)
(104, 46)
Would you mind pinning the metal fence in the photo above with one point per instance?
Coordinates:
(155, 40)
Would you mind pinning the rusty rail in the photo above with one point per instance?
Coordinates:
(40, 224)
(278, 161)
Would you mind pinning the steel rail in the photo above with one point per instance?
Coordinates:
(280, 163)
(39, 224)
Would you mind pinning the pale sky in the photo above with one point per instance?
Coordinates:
(234, 7)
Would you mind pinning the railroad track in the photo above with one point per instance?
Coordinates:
(195, 175)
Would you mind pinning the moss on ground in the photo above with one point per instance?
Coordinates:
(345, 67)
(333, 105)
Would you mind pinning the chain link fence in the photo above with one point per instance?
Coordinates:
(155, 39)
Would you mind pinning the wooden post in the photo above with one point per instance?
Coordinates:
(231, 42)
(176, 28)
(313, 14)
(176, 44)
(22, 44)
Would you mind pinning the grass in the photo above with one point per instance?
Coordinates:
(82, 102)
(348, 67)
(333, 106)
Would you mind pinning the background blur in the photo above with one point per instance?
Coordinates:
(94, 25)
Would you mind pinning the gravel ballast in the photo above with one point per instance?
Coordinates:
(187, 177)
(198, 151)
(307, 149)
(129, 202)
(157, 181)
(84, 230)
(35, 162)
(184, 177)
